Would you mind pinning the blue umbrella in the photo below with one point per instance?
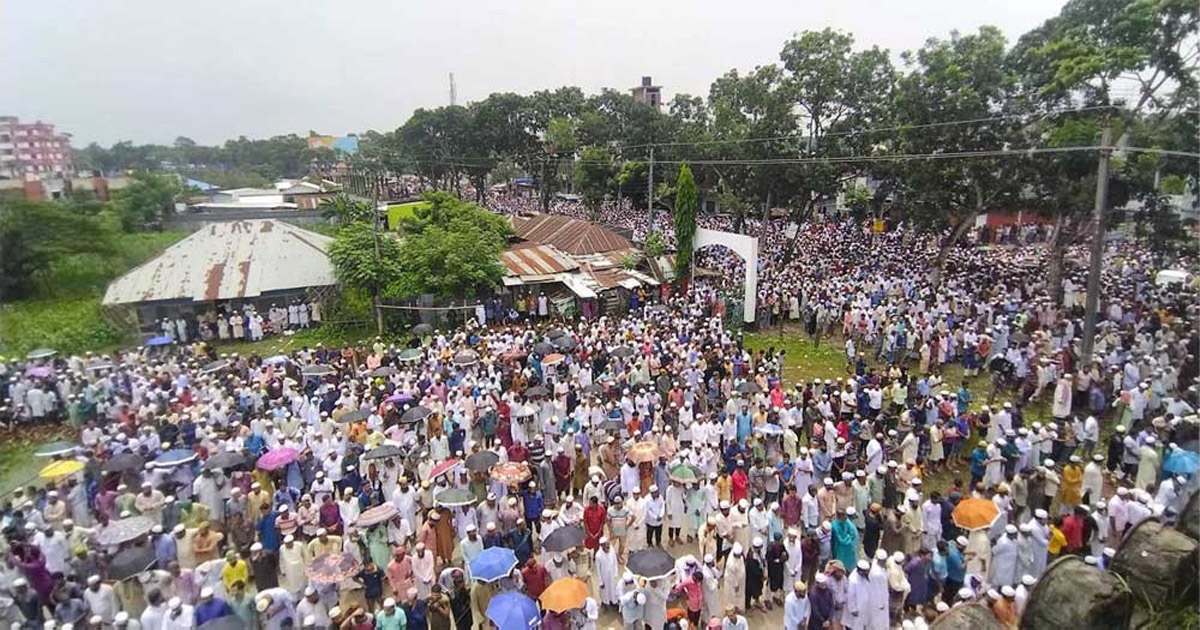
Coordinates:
(512, 610)
(1181, 462)
(159, 341)
(769, 429)
(277, 359)
(174, 457)
(493, 564)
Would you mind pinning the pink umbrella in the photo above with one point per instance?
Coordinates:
(443, 468)
(278, 458)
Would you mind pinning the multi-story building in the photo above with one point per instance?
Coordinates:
(648, 93)
(33, 149)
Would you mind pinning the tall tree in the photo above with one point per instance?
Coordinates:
(594, 178)
(686, 202)
(365, 260)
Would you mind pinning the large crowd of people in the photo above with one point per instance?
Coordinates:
(439, 479)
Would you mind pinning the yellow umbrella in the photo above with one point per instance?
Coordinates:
(565, 594)
(60, 468)
(971, 514)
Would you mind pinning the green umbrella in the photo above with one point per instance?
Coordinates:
(685, 473)
(411, 354)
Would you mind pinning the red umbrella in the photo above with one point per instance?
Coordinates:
(376, 515)
(444, 467)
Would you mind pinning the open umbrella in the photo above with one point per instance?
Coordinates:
(612, 424)
(594, 389)
(123, 462)
(444, 467)
(685, 473)
(454, 497)
(398, 397)
(748, 387)
(277, 458)
(415, 414)
(382, 451)
(564, 343)
(124, 530)
(276, 359)
(537, 391)
(643, 452)
(421, 330)
(564, 538)
(466, 358)
(174, 457)
(511, 473)
(60, 468)
(1181, 462)
(226, 460)
(552, 333)
(567, 593)
(512, 610)
(409, 355)
(318, 370)
(542, 348)
(493, 564)
(331, 568)
(41, 353)
(354, 415)
(971, 514)
(552, 359)
(482, 461)
(652, 564)
(130, 562)
(664, 383)
(39, 371)
(215, 366)
(228, 622)
(376, 515)
(161, 340)
(769, 429)
(54, 449)
(384, 370)
(622, 352)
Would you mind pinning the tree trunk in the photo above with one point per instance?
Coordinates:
(767, 208)
(939, 268)
(1054, 259)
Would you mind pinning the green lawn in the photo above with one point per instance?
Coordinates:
(402, 211)
(65, 312)
(18, 466)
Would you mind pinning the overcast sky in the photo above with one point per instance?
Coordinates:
(151, 70)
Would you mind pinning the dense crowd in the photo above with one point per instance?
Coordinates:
(453, 480)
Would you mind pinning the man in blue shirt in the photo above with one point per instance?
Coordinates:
(978, 458)
(534, 503)
(210, 607)
(520, 541)
(956, 568)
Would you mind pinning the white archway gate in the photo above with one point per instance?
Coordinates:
(747, 248)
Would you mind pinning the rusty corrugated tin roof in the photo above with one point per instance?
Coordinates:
(235, 259)
(532, 259)
(573, 236)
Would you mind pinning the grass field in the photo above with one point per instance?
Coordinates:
(402, 211)
(65, 312)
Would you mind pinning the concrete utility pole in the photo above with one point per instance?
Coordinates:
(1093, 285)
(650, 196)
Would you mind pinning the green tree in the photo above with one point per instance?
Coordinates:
(655, 245)
(366, 260)
(450, 250)
(146, 201)
(686, 202)
(595, 174)
(345, 210)
(34, 236)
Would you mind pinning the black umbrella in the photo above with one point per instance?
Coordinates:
(123, 462)
(664, 384)
(748, 387)
(318, 370)
(564, 343)
(96, 365)
(385, 370)
(564, 538)
(555, 332)
(482, 461)
(382, 451)
(535, 391)
(130, 562)
(422, 330)
(416, 414)
(623, 352)
(652, 564)
(542, 348)
(356, 415)
(464, 359)
(228, 622)
(215, 366)
(612, 424)
(226, 460)
(594, 389)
